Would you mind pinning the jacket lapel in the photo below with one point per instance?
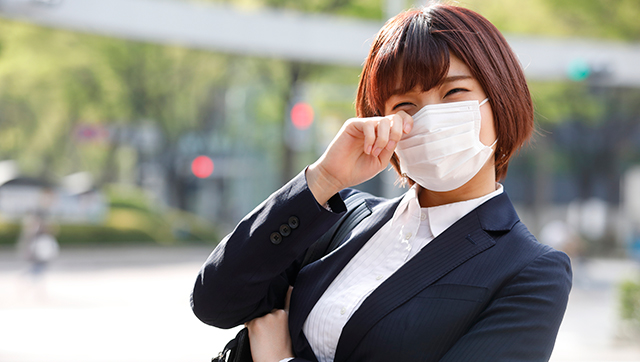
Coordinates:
(316, 277)
(459, 243)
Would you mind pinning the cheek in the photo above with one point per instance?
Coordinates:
(487, 127)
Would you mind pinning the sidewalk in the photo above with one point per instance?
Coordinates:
(591, 329)
(132, 304)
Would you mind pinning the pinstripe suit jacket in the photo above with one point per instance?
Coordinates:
(483, 290)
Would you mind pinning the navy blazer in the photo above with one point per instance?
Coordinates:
(483, 290)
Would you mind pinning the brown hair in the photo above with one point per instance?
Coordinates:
(412, 49)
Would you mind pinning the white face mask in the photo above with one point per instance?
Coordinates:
(443, 151)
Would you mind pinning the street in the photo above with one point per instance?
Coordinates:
(132, 304)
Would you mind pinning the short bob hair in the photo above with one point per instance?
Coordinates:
(415, 46)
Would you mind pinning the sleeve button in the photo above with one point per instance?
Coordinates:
(294, 222)
(285, 230)
(276, 238)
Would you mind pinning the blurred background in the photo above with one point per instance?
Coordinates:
(134, 134)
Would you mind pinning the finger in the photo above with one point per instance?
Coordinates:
(395, 133)
(382, 136)
(385, 157)
(407, 122)
(369, 131)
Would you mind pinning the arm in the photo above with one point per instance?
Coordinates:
(246, 275)
(522, 321)
(249, 272)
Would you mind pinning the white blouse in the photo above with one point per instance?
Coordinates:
(408, 231)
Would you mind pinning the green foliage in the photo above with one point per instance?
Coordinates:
(132, 209)
(81, 234)
(53, 80)
(555, 102)
(599, 18)
(630, 301)
(92, 234)
(9, 233)
(367, 9)
(568, 18)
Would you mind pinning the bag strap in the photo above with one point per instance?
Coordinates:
(357, 210)
(222, 356)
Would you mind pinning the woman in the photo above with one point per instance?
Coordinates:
(446, 272)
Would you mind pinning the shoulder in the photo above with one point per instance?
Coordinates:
(499, 219)
(531, 268)
(522, 242)
(515, 246)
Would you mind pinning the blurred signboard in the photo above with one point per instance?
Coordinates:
(24, 196)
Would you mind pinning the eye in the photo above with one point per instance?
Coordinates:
(454, 91)
(403, 104)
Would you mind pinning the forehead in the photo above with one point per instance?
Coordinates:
(456, 71)
(457, 67)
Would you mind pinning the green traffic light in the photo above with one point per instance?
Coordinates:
(578, 70)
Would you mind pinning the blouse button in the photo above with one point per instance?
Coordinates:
(343, 311)
(379, 277)
(408, 236)
(423, 216)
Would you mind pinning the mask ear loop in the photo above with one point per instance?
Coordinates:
(481, 103)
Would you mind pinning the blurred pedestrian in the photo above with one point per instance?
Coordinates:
(38, 246)
(446, 272)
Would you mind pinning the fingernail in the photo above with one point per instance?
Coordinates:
(391, 145)
(368, 150)
(377, 151)
(407, 128)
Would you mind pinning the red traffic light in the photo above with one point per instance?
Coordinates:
(301, 115)
(202, 166)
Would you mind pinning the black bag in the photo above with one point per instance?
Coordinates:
(239, 349)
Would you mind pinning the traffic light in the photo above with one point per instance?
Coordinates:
(579, 69)
(301, 115)
(202, 166)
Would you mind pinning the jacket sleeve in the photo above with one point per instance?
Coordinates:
(248, 273)
(522, 321)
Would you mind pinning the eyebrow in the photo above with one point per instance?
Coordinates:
(454, 78)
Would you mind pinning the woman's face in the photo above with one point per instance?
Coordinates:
(459, 85)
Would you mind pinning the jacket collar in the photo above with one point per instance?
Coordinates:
(497, 214)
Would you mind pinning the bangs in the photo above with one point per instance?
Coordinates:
(407, 56)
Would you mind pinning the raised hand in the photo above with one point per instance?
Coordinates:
(361, 149)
